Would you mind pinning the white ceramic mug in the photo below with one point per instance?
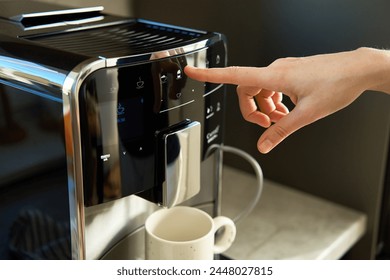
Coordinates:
(186, 233)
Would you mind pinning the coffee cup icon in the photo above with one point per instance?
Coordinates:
(140, 83)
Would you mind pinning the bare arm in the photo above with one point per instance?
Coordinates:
(318, 85)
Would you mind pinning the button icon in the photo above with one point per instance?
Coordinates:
(209, 112)
(217, 59)
(178, 74)
(219, 106)
(105, 157)
(140, 83)
(164, 78)
(120, 110)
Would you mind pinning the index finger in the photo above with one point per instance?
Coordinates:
(245, 76)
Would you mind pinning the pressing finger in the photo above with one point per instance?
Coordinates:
(246, 76)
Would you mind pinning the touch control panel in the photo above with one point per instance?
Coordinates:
(124, 111)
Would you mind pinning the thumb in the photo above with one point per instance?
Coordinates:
(281, 130)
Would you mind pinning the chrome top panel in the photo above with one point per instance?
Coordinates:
(17, 11)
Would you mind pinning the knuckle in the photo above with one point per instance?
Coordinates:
(280, 131)
(248, 116)
(283, 68)
(234, 70)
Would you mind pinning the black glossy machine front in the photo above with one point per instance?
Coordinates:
(125, 113)
(99, 127)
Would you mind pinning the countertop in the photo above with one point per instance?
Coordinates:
(287, 223)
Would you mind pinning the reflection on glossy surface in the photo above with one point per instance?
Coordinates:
(124, 109)
(35, 235)
(11, 131)
(81, 108)
(34, 210)
(182, 164)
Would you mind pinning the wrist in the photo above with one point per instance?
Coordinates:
(376, 68)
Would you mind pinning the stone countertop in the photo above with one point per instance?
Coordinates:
(287, 223)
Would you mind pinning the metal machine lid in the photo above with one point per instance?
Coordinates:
(35, 15)
(17, 11)
(132, 38)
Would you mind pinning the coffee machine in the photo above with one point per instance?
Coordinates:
(100, 127)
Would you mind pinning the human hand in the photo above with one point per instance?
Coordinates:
(318, 85)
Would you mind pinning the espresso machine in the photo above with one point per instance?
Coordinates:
(100, 127)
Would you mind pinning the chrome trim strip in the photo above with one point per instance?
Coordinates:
(178, 106)
(31, 76)
(57, 13)
(146, 57)
(64, 23)
(74, 28)
(214, 90)
(71, 89)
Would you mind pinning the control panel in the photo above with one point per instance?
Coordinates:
(125, 110)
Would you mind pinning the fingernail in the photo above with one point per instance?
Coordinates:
(265, 146)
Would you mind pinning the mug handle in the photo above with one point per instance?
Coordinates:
(226, 238)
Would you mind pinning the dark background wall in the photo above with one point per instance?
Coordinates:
(341, 158)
